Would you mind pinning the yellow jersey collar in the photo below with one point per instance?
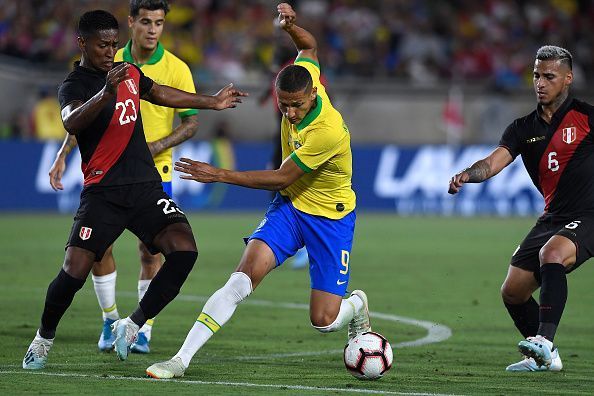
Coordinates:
(155, 57)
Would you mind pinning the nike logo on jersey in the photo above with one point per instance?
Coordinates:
(338, 282)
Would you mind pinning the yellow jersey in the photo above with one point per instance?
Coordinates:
(165, 69)
(321, 146)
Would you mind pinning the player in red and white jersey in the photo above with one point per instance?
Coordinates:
(556, 142)
(122, 188)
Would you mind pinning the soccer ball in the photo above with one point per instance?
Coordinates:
(368, 356)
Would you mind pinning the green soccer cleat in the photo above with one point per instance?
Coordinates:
(173, 368)
(360, 323)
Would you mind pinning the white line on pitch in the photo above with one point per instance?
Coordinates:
(225, 383)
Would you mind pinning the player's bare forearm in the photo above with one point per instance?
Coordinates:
(303, 40)
(164, 95)
(77, 115)
(184, 131)
(67, 146)
(261, 179)
(478, 172)
(272, 180)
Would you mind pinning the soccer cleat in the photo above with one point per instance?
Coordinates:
(360, 322)
(172, 368)
(537, 348)
(107, 337)
(141, 345)
(36, 355)
(528, 364)
(125, 332)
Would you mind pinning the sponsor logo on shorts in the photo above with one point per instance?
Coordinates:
(85, 233)
(339, 282)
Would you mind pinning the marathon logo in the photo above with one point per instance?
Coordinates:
(569, 135)
(85, 233)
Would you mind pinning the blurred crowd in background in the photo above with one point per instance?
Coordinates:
(415, 42)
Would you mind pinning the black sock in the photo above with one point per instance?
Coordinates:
(164, 286)
(553, 295)
(525, 316)
(60, 294)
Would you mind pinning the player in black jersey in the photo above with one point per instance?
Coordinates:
(122, 189)
(556, 142)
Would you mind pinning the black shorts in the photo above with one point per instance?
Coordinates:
(579, 230)
(105, 212)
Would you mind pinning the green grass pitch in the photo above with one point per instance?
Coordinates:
(442, 270)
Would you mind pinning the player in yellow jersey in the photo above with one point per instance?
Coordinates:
(315, 208)
(146, 21)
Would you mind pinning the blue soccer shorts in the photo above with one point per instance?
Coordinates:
(286, 229)
(167, 188)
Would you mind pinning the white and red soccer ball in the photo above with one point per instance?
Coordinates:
(368, 356)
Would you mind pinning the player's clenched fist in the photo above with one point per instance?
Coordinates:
(457, 181)
(286, 15)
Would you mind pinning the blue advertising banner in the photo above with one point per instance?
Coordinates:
(405, 180)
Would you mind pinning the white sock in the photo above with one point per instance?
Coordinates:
(348, 308)
(143, 285)
(105, 291)
(216, 312)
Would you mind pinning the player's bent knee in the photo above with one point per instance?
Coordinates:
(549, 254)
(514, 295)
(238, 287)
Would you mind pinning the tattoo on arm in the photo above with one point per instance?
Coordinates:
(478, 172)
(183, 132)
(68, 145)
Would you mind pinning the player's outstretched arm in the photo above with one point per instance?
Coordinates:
(273, 180)
(304, 41)
(59, 165)
(163, 95)
(481, 170)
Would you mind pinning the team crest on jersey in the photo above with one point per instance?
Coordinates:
(131, 86)
(85, 233)
(569, 135)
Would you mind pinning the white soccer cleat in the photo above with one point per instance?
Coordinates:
(125, 331)
(360, 323)
(537, 348)
(36, 355)
(528, 364)
(173, 368)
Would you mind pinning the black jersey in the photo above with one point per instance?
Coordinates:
(558, 156)
(113, 148)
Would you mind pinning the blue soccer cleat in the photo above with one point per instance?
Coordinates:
(528, 364)
(537, 348)
(36, 355)
(107, 337)
(141, 345)
(125, 335)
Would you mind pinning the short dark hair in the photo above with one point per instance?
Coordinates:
(93, 21)
(552, 52)
(152, 5)
(293, 78)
